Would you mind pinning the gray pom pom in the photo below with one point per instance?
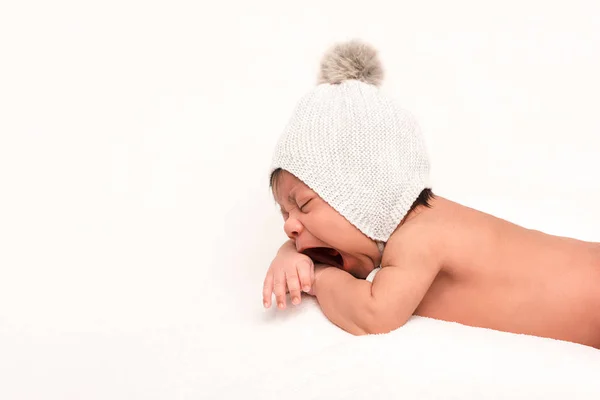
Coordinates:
(351, 60)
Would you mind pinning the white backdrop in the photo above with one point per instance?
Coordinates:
(136, 222)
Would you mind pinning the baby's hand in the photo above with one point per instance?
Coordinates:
(290, 271)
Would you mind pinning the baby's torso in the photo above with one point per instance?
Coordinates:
(499, 275)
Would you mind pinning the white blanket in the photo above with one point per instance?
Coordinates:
(299, 355)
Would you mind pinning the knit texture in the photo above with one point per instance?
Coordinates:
(359, 152)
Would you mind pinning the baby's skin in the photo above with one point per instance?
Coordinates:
(447, 261)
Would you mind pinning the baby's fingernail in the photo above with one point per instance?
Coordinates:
(296, 300)
(306, 288)
(266, 304)
(280, 305)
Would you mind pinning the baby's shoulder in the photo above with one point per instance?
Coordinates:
(410, 245)
(431, 233)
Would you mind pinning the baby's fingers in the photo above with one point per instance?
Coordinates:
(305, 270)
(293, 285)
(279, 288)
(268, 289)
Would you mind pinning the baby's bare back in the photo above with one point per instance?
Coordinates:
(499, 275)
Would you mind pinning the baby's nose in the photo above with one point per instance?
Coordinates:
(292, 227)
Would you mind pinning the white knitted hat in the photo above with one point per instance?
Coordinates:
(353, 146)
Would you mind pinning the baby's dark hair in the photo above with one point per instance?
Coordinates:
(423, 200)
(275, 178)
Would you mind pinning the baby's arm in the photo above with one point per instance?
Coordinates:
(360, 307)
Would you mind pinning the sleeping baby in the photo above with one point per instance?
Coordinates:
(375, 245)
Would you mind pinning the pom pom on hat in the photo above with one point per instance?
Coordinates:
(351, 60)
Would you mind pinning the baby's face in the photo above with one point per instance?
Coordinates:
(321, 232)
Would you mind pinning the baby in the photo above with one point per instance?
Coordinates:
(350, 174)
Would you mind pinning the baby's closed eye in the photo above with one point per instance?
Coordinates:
(302, 205)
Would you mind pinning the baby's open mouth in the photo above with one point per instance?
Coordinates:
(325, 255)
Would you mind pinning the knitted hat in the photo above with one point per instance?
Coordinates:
(353, 146)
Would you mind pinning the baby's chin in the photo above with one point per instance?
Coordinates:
(359, 269)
